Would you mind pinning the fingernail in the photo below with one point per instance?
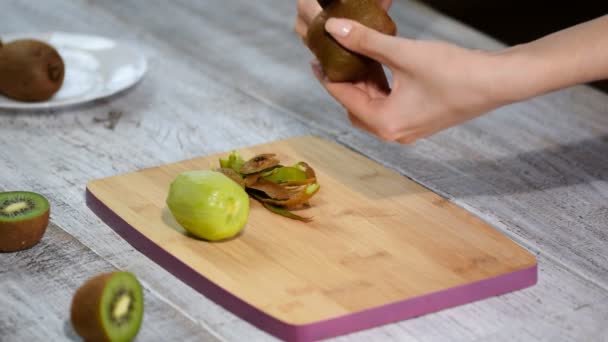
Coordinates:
(338, 27)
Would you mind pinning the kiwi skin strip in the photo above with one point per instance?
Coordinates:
(278, 210)
(269, 182)
(284, 212)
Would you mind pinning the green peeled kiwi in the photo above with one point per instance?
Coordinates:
(24, 217)
(338, 63)
(30, 70)
(108, 307)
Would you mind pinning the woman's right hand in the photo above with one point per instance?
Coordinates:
(435, 85)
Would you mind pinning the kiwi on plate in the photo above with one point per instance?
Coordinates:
(24, 217)
(30, 70)
(108, 307)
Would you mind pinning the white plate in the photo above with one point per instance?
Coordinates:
(95, 67)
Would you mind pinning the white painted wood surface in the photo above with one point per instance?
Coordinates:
(37, 287)
(229, 73)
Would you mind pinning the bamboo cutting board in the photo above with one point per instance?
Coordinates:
(380, 248)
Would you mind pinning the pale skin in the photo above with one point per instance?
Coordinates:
(438, 85)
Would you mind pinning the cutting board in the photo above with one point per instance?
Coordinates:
(380, 248)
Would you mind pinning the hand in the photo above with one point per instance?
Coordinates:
(435, 85)
(375, 83)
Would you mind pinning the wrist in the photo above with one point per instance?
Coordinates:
(517, 74)
(566, 58)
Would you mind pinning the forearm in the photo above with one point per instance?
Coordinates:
(569, 57)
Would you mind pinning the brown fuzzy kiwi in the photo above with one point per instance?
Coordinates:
(108, 307)
(24, 217)
(338, 63)
(30, 70)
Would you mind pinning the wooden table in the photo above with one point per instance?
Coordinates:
(226, 74)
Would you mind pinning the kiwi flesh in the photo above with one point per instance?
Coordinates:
(108, 307)
(338, 63)
(30, 70)
(24, 217)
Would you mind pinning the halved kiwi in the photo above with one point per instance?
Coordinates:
(108, 307)
(24, 217)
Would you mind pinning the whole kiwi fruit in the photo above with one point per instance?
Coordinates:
(108, 307)
(24, 217)
(338, 63)
(30, 70)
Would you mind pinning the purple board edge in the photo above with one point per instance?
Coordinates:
(390, 313)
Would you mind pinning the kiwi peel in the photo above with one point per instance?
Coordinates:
(108, 307)
(279, 188)
(259, 163)
(338, 63)
(30, 70)
(24, 217)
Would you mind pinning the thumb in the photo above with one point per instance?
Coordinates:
(364, 40)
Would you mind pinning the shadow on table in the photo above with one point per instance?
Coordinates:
(69, 332)
(77, 107)
(582, 162)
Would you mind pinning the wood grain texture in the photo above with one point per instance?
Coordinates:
(38, 284)
(376, 238)
(257, 93)
(570, 125)
(549, 192)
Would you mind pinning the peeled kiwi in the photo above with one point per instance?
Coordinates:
(108, 307)
(338, 63)
(24, 217)
(30, 70)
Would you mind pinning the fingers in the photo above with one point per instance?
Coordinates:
(364, 40)
(377, 78)
(360, 105)
(308, 10)
(386, 4)
(347, 94)
(371, 114)
(355, 100)
(365, 106)
(301, 28)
